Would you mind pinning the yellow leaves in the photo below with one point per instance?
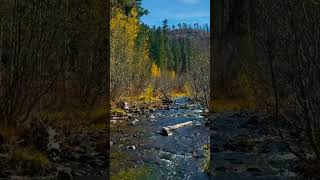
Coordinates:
(124, 31)
(147, 96)
(173, 75)
(187, 88)
(118, 21)
(134, 13)
(155, 70)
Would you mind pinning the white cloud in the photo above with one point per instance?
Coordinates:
(190, 1)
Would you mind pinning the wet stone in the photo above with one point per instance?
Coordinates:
(131, 147)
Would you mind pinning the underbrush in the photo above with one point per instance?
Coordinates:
(29, 159)
(236, 104)
(9, 134)
(75, 117)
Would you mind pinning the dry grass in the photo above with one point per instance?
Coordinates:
(75, 117)
(220, 105)
(29, 157)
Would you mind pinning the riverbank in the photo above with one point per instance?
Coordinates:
(58, 143)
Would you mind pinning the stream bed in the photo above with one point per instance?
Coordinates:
(138, 143)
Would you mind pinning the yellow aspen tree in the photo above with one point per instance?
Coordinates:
(155, 71)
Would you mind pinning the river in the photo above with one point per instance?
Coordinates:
(182, 155)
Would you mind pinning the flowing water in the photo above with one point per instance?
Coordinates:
(180, 156)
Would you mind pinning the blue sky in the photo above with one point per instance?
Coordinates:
(176, 11)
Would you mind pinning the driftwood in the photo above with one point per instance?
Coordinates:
(166, 131)
(119, 118)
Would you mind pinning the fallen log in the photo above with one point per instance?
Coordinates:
(119, 117)
(166, 131)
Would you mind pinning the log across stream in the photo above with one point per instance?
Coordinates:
(167, 131)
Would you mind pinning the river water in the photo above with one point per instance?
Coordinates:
(180, 156)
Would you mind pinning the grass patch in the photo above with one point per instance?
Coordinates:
(75, 117)
(118, 112)
(186, 91)
(220, 105)
(148, 95)
(30, 157)
(100, 126)
(117, 161)
(206, 166)
(98, 113)
(140, 173)
(176, 94)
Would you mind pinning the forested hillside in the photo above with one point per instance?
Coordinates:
(159, 59)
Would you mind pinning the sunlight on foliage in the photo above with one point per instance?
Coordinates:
(118, 112)
(187, 89)
(140, 173)
(148, 94)
(155, 70)
(173, 75)
(125, 28)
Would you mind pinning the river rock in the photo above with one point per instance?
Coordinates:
(123, 105)
(112, 143)
(64, 173)
(133, 123)
(130, 116)
(132, 147)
